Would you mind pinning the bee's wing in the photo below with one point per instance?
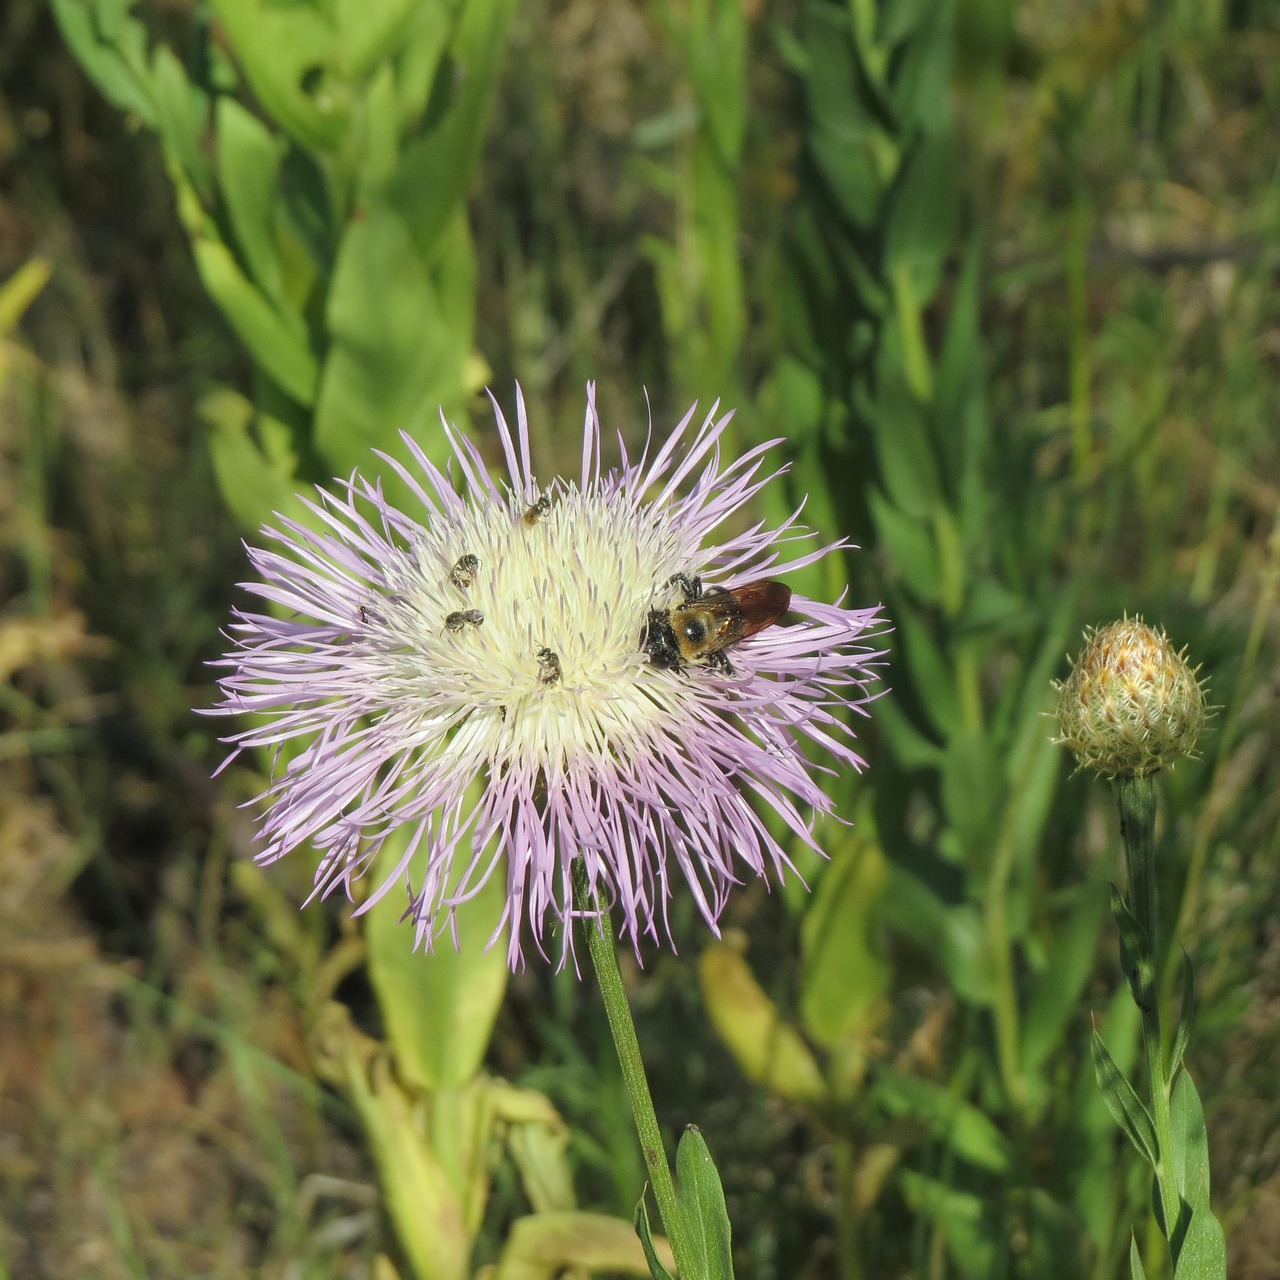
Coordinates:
(761, 604)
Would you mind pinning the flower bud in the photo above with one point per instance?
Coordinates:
(1131, 704)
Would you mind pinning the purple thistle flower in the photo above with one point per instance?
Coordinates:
(497, 637)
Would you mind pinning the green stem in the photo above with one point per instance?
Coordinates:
(604, 958)
(1136, 800)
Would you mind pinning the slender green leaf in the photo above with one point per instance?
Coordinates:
(959, 1125)
(439, 1008)
(288, 52)
(700, 1199)
(435, 170)
(182, 118)
(656, 1270)
(1124, 1104)
(1134, 951)
(1061, 979)
(1186, 1016)
(124, 80)
(276, 343)
(1201, 1251)
(844, 976)
(1135, 1262)
(248, 173)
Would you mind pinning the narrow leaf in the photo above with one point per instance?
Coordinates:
(656, 1269)
(1186, 1016)
(768, 1049)
(1135, 1262)
(248, 173)
(1060, 982)
(277, 345)
(1125, 1106)
(700, 1200)
(1133, 947)
(1201, 1252)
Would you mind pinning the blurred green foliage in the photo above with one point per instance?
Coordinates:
(1002, 277)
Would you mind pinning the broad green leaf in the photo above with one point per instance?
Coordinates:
(122, 77)
(700, 1200)
(369, 31)
(1124, 1104)
(420, 1200)
(439, 1007)
(844, 977)
(922, 211)
(769, 1050)
(288, 54)
(657, 1268)
(1201, 1253)
(949, 932)
(400, 336)
(254, 485)
(436, 168)
(248, 173)
(277, 343)
(908, 464)
(910, 547)
(957, 1124)
(182, 118)
(1062, 977)
(968, 1223)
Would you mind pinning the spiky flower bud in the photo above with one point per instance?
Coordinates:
(1131, 704)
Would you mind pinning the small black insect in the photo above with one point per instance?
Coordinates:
(535, 511)
(463, 618)
(548, 666)
(463, 574)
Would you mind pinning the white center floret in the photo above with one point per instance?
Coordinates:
(539, 647)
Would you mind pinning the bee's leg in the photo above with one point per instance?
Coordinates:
(692, 587)
(719, 661)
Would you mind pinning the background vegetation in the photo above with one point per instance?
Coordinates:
(1004, 277)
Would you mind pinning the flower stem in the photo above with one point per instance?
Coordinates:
(604, 958)
(1136, 800)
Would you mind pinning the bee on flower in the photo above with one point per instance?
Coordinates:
(520, 635)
